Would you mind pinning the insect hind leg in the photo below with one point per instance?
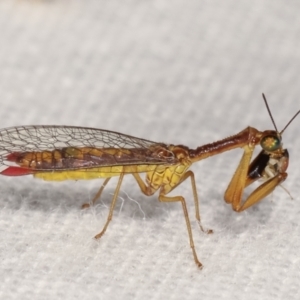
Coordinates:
(112, 206)
(98, 195)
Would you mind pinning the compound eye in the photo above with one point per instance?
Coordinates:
(270, 143)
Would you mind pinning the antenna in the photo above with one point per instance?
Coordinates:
(269, 111)
(297, 113)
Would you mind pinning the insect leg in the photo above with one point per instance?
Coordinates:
(86, 205)
(239, 181)
(148, 191)
(262, 191)
(112, 206)
(196, 199)
(164, 198)
(237, 184)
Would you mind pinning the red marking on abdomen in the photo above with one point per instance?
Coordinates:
(15, 156)
(16, 171)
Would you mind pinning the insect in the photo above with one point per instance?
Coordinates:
(57, 153)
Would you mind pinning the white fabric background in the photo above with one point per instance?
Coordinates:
(187, 72)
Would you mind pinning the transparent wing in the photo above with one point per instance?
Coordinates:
(17, 141)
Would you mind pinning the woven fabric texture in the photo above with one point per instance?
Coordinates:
(181, 72)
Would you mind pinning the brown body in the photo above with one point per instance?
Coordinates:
(66, 152)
